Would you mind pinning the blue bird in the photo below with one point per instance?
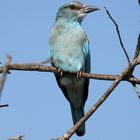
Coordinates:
(69, 52)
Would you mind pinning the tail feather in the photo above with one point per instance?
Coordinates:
(77, 114)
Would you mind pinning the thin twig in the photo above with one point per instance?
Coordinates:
(137, 51)
(6, 105)
(17, 138)
(4, 75)
(119, 35)
(136, 90)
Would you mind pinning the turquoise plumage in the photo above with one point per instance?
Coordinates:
(69, 51)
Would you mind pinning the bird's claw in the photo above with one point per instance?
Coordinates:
(60, 72)
(79, 75)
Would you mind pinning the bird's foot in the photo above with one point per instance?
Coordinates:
(60, 72)
(79, 75)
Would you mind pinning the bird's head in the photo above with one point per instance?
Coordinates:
(74, 11)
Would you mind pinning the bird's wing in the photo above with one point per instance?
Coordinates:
(86, 52)
(63, 88)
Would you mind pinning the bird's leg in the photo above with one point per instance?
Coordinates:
(60, 72)
(79, 75)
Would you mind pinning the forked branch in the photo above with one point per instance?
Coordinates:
(3, 77)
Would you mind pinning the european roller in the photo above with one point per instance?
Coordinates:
(69, 52)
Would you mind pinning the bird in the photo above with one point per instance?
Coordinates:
(69, 52)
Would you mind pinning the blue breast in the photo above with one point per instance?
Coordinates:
(66, 47)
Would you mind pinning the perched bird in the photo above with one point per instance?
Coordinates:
(69, 52)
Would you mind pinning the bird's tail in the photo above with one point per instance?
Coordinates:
(77, 114)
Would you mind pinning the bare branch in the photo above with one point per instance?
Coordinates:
(119, 35)
(136, 57)
(4, 75)
(40, 68)
(136, 90)
(17, 138)
(137, 51)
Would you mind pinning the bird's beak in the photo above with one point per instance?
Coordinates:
(88, 9)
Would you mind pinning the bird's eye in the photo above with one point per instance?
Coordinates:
(73, 7)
